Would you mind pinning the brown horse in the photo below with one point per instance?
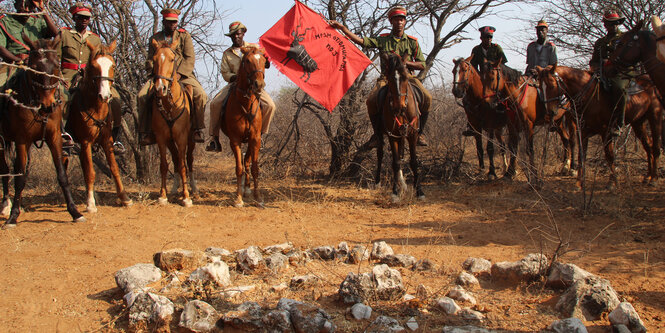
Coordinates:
(400, 122)
(591, 103)
(468, 86)
(89, 121)
(242, 120)
(171, 106)
(34, 116)
(519, 94)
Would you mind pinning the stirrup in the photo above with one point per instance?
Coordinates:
(119, 148)
(67, 140)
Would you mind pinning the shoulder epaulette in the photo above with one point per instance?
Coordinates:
(182, 30)
(414, 38)
(66, 28)
(551, 43)
(385, 35)
(93, 33)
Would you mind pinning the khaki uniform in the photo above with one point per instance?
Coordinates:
(74, 54)
(185, 57)
(616, 85)
(405, 45)
(11, 31)
(493, 53)
(230, 65)
(540, 55)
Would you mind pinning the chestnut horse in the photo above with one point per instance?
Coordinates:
(592, 104)
(468, 86)
(400, 122)
(171, 106)
(242, 120)
(89, 120)
(502, 84)
(34, 116)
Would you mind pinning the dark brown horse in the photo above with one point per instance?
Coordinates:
(242, 120)
(34, 115)
(519, 94)
(89, 120)
(468, 86)
(592, 104)
(400, 122)
(171, 106)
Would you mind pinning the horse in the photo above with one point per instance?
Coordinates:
(89, 121)
(519, 94)
(659, 30)
(171, 107)
(400, 121)
(34, 116)
(468, 86)
(591, 103)
(242, 120)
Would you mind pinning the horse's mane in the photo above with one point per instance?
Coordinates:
(511, 74)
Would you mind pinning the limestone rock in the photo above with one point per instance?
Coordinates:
(278, 321)
(137, 276)
(477, 266)
(448, 305)
(216, 252)
(565, 275)
(149, 308)
(422, 292)
(309, 318)
(323, 253)
(277, 262)
(620, 329)
(303, 281)
(283, 248)
(384, 324)
(465, 329)
(459, 294)
(360, 311)
(423, 265)
(247, 317)
(177, 260)
(342, 251)
(469, 314)
(198, 316)
(216, 272)
(358, 254)
(388, 282)
(380, 250)
(467, 280)
(249, 259)
(236, 291)
(298, 257)
(529, 268)
(588, 299)
(356, 288)
(398, 260)
(279, 287)
(568, 325)
(625, 314)
(412, 324)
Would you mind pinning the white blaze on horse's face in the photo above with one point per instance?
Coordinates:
(257, 57)
(105, 65)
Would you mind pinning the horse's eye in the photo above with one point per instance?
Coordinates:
(635, 37)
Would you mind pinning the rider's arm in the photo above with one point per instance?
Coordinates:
(187, 65)
(225, 68)
(417, 62)
(50, 30)
(148, 59)
(8, 56)
(353, 37)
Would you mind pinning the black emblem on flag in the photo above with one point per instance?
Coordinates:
(298, 53)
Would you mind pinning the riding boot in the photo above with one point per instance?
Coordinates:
(375, 119)
(146, 136)
(118, 147)
(198, 124)
(619, 121)
(423, 122)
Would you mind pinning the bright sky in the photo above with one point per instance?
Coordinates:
(259, 16)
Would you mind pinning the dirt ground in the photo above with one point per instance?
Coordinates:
(58, 276)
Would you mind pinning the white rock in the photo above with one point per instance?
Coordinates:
(459, 294)
(279, 287)
(448, 305)
(216, 272)
(360, 311)
(235, 291)
(384, 324)
(278, 248)
(149, 307)
(303, 281)
(569, 325)
(467, 279)
(380, 250)
(250, 258)
(465, 329)
(408, 297)
(477, 266)
(388, 282)
(625, 314)
(469, 314)
(412, 324)
(565, 275)
(137, 276)
(198, 316)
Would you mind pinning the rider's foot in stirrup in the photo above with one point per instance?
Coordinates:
(67, 141)
(615, 131)
(119, 148)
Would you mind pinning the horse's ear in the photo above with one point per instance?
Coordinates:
(655, 22)
(468, 59)
(113, 45)
(155, 44)
(174, 44)
(639, 25)
(29, 42)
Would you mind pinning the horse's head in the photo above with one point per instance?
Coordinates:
(251, 74)
(629, 49)
(659, 30)
(43, 58)
(164, 66)
(461, 74)
(551, 87)
(493, 81)
(100, 70)
(394, 70)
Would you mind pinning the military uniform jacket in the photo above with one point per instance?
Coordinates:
(184, 52)
(231, 61)
(493, 53)
(404, 45)
(540, 55)
(73, 50)
(602, 49)
(11, 32)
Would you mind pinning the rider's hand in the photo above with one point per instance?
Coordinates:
(39, 4)
(335, 24)
(534, 72)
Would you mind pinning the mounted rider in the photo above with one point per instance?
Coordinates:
(541, 52)
(486, 51)
(74, 54)
(615, 84)
(398, 42)
(185, 68)
(229, 68)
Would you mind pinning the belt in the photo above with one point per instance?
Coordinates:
(69, 65)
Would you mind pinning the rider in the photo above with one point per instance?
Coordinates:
(541, 52)
(616, 85)
(485, 51)
(186, 58)
(74, 54)
(400, 43)
(229, 68)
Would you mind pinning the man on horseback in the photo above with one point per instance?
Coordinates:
(185, 68)
(485, 51)
(398, 42)
(230, 64)
(616, 84)
(74, 54)
(541, 52)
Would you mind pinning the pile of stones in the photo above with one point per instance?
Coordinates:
(154, 292)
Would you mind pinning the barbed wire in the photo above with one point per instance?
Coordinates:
(2, 12)
(10, 98)
(27, 68)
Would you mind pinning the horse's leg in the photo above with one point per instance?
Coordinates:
(608, 145)
(178, 153)
(479, 151)
(107, 145)
(491, 174)
(20, 162)
(4, 169)
(582, 161)
(656, 128)
(85, 156)
(398, 177)
(379, 160)
(163, 170)
(247, 159)
(55, 145)
(254, 151)
(413, 140)
(513, 142)
(191, 145)
(640, 133)
(237, 153)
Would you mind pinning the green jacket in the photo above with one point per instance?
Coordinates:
(11, 32)
(493, 53)
(73, 50)
(405, 45)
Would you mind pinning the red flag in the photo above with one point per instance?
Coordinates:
(316, 57)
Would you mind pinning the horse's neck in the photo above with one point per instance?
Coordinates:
(513, 90)
(654, 67)
(475, 86)
(576, 80)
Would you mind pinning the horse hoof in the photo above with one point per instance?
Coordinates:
(6, 210)
(247, 192)
(127, 203)
(421, 197)
(394, 198)
(492, 177)
(8, 226)
(79, 219)
(91, 209)
(238, 204)
(187, 202)
(163, 201)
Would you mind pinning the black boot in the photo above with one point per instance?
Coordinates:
(375, 119)
(423, 122)
(118, 147)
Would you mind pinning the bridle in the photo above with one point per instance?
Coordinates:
(399, 111)
(462, 85)
(168, 95)
(169, 79)
(42, 53)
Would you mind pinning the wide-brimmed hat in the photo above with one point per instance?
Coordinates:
(81, 8)
(396, 11)
(542, 24)
(235, 26)
(170, 14)
(613, 17)
(487, 31)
